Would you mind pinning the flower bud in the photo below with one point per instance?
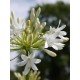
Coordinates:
(32, 15)
(50, 53)
(38, 12)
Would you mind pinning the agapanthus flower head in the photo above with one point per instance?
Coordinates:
(29, 35)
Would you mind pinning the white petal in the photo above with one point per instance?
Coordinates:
(58, 40)
(63, 33)
(24, 57)
(22, 63)
(34, 67)
(62, 27)
(64, 38)
(27, 69)
(55, 47)
(59, 45)
(36, 61)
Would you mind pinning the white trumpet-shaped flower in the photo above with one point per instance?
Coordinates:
(29, 62)
(55, 38)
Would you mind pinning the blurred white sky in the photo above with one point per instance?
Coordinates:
(21, 7)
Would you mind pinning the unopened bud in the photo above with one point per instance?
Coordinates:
(32, 15)
(38, 12)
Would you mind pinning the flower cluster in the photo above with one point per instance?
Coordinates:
(55, 37)
(32, 76)
(29, 35)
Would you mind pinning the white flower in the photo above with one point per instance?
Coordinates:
(29, 62)
(16, 25)
(55, 38)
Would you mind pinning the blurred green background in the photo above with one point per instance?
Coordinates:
(57, 68)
